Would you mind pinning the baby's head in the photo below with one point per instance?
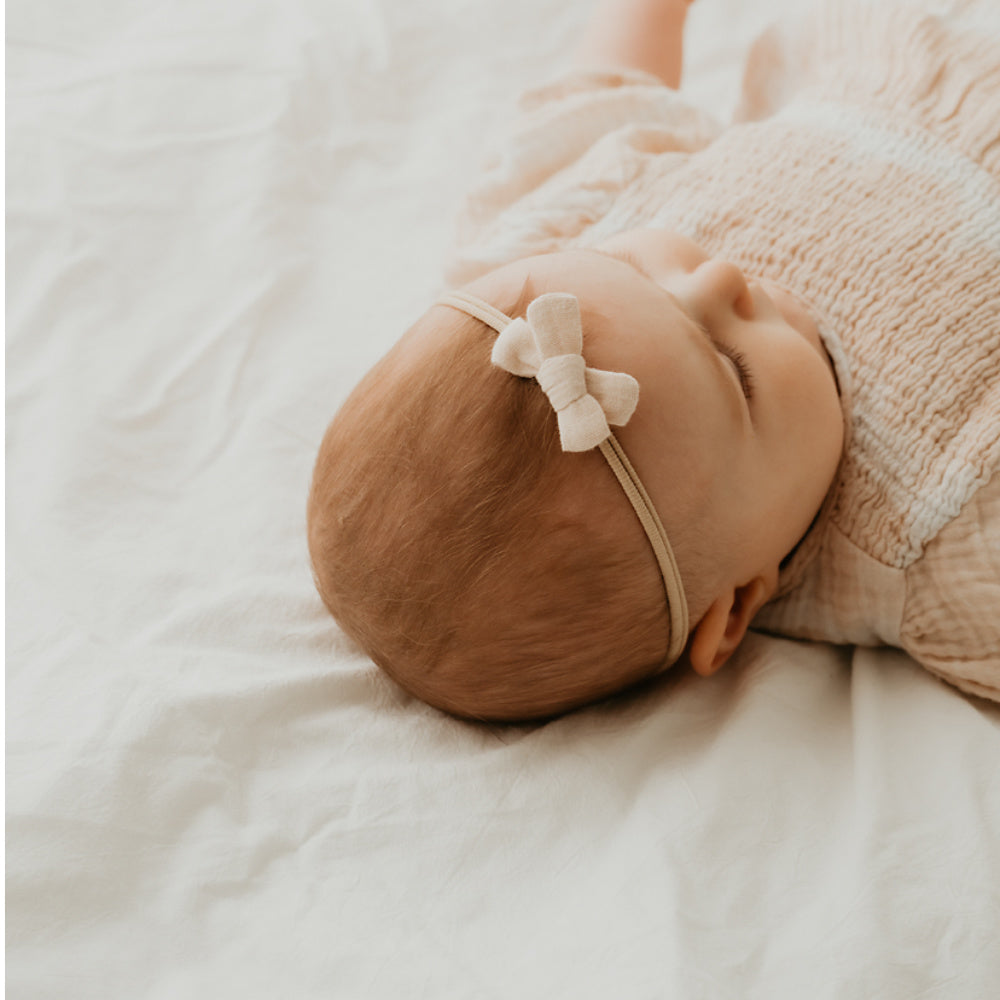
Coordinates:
(494, 574)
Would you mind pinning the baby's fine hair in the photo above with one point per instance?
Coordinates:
(490, 573)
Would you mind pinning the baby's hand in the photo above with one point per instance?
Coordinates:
(637, 34)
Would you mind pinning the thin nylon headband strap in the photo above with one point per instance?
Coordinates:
(630, 483)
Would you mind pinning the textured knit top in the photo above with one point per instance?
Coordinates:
(862, 174)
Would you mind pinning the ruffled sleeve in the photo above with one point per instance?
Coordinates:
(951, 620)
(576, 147)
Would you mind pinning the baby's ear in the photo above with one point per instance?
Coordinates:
(721, 629)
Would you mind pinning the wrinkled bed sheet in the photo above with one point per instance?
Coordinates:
(220, 213)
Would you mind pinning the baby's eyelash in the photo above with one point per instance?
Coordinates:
(742, 368)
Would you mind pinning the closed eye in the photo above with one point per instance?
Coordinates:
(736, 358)
(742, 368)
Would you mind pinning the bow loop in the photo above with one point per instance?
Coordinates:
(618, 393)
(515, 350)
(548, 346)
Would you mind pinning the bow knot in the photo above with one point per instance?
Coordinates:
(548, 345)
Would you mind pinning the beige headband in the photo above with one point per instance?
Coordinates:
(548, 346)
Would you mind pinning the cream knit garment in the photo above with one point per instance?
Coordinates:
(864, 177)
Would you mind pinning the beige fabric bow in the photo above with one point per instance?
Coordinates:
(548, 346)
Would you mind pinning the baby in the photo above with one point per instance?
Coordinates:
(695, 378)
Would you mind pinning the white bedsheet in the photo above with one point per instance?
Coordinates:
(220, 212)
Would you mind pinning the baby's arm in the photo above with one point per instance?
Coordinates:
(637, 34)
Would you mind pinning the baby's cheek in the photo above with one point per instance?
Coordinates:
(822, 419)
(798, 396)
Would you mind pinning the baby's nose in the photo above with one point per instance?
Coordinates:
(721, 286)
